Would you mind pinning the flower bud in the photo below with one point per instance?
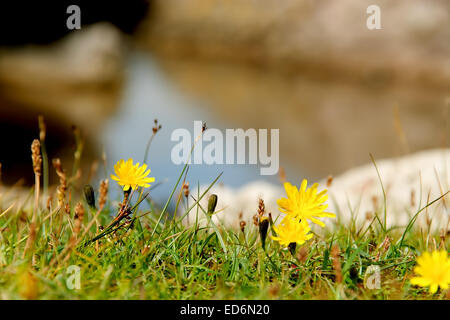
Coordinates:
(263, 227)
(212, 203)
(89, 195)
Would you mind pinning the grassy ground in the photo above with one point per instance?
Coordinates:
(146, 256)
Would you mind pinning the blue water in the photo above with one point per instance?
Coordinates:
(147, 95)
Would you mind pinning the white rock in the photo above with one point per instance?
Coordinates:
(409, 181)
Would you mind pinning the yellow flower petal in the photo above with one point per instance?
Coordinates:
(290, 230)
(433, 271)
(131, 176)
(305, 203)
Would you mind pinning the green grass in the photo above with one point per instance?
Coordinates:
(159, 258)
(178, 262)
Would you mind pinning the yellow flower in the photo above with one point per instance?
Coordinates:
(291, 230)
(305, 204)
(433, 270)
(131, 176)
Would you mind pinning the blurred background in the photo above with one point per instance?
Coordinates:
(311, 68)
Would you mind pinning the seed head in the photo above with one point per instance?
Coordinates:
(36, 156)
(329, 181)
(67, 209)
(261, 207)
(242, 225)
(103, 191)
(79, 215)
(256, 220)
(186, 189)
(156, 127)
(49, 202)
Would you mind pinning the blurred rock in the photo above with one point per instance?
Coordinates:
(75, 81)
(79, 75)
(410, 182)
(326, 37)
(44, 22)
(335, 89)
